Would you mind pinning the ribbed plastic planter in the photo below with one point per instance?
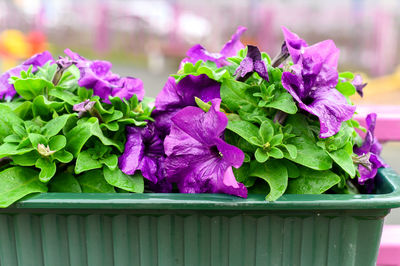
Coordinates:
(185, 229)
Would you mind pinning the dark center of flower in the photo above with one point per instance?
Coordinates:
(307, 100)
(215, 151)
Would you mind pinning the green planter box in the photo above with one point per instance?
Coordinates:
(59, 229)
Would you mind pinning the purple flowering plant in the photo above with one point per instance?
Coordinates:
(290, 116)
(67, 120)
(233, 122)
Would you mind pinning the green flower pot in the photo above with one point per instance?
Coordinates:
(204, 229)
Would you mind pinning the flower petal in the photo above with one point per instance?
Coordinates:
(232, 47)
(294, 44)
(331, 107)
(133, 154)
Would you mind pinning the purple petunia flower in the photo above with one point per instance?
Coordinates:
(230, 49)
(83, 107)
(7, 90)
(144, 151)
(372, 148)
(250, 64)
(175, 96)
(313, 80)
(359, 84)
(198, 159)
(97, 75)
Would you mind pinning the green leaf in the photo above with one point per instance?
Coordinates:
(293, 170)
(344, 160)
(202, 105)
(275, 153)
(244, 129)
(346, 88)
(57, 142)
(292, 150)
(47, 169)
(275, 174)
(37, 139)
(8, 149)
(233, 94)
(7, 119)
(346, 75)
(24, 110)
(64, 95)
(64, 182)
(276, 140)
(118, 179)
(284, 102)
(309, 154)
(31, 87)
(43, 107)
(63, 156)
(27, 159)
(111, 161)
(94, 182)
(261, 156)
(312, 182)
(78, 136)
(17, 182)
(55, 125)
(85, 162)
(266, 131)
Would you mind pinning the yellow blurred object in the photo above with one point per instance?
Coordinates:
(14, 44)
(381, 90)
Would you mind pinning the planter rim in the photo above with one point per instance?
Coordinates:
(174, 201)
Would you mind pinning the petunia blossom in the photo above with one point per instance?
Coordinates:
(97, 75)
(250, 64)
(359, 84)
(7, 90)
(83, 107)
(312, 82)
(198, 159)
(144, 151)
(175, 96)
(372, 148)
(230, 49)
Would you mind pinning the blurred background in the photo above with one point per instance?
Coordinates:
(147, 39)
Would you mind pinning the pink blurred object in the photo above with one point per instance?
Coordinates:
(388, 120)
(389, 251)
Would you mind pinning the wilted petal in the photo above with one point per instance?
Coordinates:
(359, 84)
(250, 64)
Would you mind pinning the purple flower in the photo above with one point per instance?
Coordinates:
(83, 107)
(372, 148)
(250, 64)
(175, 96)
(7, 90)
(144, 151)
(313, 80)
(230, 49)
(198, 159)
(359, 84)
(97, 75)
